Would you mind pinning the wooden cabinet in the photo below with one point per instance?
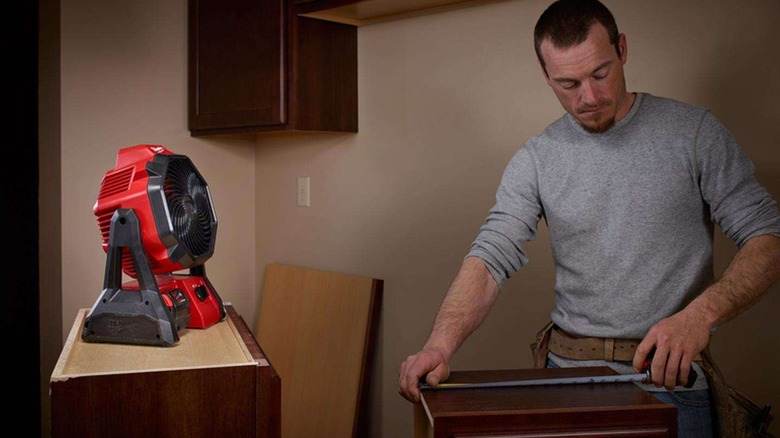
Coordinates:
(212, 383)
(260, 66)
(283, 65)
(604, 409)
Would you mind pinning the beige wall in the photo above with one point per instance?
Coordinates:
(445, 100)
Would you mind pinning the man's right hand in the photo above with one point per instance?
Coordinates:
(465, 306)
(429, 362)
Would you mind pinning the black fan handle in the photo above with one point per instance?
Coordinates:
(126, 233)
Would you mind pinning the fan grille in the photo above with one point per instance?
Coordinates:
(189, 206)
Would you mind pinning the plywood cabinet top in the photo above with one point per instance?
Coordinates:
(217, 346)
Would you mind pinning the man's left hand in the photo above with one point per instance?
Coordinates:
(675, 340)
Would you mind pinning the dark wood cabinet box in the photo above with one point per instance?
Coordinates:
(212, 383)
(260, 66)
(579, 410)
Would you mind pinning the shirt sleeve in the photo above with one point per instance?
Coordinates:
(738, 203)
(512, 221)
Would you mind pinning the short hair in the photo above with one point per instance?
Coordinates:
(566, 23)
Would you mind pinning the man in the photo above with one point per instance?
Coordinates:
(630, 186)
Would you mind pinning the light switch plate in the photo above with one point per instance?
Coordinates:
(304, 185)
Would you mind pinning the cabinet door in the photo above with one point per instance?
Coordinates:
(236, 65)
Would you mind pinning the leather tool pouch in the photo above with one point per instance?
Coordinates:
(539, 347)
(735, 414)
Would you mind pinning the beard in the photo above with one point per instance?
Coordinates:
(606, 117)
(602, 120)
(600, 127)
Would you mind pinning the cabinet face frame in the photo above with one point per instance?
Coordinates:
(605, 410)
(237, 65)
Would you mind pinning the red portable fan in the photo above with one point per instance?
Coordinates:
(156, 217)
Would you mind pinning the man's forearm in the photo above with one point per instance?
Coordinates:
(678, 338)
(754, 269)
(467, 303)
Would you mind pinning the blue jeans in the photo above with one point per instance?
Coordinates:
(694, 413)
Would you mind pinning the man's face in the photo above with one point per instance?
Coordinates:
(588, 79)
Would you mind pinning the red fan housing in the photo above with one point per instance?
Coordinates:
(164, 196)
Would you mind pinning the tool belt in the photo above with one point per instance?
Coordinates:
(585, 348)
(735, 415)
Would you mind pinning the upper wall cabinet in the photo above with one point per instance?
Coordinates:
(361, 13)
(257, 65)
(283, 65)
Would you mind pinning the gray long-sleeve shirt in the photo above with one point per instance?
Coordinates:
(630, 213)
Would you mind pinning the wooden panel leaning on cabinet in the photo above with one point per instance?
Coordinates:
(213, 382)
(320, 328)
